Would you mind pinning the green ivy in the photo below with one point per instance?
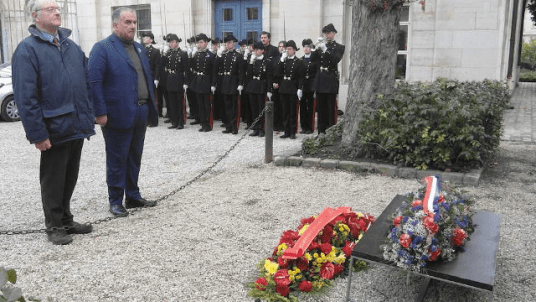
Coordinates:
(443, 125)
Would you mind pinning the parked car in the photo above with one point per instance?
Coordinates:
(8, 108)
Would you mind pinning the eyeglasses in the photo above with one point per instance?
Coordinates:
(50, 10)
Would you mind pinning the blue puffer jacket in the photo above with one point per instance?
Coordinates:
(51, 88)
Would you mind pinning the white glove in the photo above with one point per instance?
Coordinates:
(220, 51)
(189, 50)
(246, 52)
(252, 59)
(156, 83)
(300, 94)
(184, 86)
(213, 89)
(284, 56)
(240, 88)
(194, 50)
(322, 46)
(269, 95)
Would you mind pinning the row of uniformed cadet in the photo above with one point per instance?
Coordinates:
(215, 80)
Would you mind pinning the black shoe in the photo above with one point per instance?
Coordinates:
(190, 117)
(180, 127)
(195, 123)
(208, 129)
(58, 236)
(226, 131)
(293, 136)
(261, 133)
(78, 228)
(285, 135)
(309, 132)
(254, 133)
(139, 203)
(235, 131)
(167, 121)
(223, 125)
(172, 127)
(303, 131)
(118, 211)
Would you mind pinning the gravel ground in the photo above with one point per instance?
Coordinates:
(202, 243)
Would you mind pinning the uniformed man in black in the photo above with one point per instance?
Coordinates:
(161, 87)
(154, 59)
(192, 101)
(278, 105)
(290, 71)
(219, 107)
(245, 109)
(232, 82)
(203, 82)
(307, 108)
(326, 83)
(259, 78)
(176, 66)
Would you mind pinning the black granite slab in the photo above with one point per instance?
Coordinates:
(475, 267)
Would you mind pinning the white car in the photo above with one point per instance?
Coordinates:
(8, 108)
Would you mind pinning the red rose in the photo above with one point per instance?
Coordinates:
(327, 234)
(289, 238)
(313, 246)
(283, 290)
(458, 237)
(338, 269)
(261, 283)
(302, 264)
(416, 203)
(369, 218)
(305, 286)
(355, 231)
(337, 219)
(327, 271)
(441, 198)
(397, 220)
(325, 248)
(305, 221)
(281, 277)
(405, 240)
(348, 248)
(433, 255)
(430, 225)
(283, 263)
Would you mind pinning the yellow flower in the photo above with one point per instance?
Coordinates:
(359, 214)
(270, 266)
(315, 255)
(302, 230)
(308, 256)
(360, 236)
(281, 248)
(291, 278)
(298, 277)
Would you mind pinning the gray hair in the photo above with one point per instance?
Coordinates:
(33, 6)
(116, 15)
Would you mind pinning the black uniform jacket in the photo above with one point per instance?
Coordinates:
(154, 60)
(202, 72)
(259, 76)
(327, 76)
(176, 66)
(232, 63)
(309, 74)
(290, 75)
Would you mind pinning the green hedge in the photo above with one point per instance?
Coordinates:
(442, 125)
(527, 75)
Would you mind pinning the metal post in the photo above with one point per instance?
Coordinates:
(269, 133)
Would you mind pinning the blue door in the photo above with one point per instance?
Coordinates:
(241, 18)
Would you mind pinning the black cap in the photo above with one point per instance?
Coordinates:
(202, 37)
(258, 45)
(329, 28)
(216, 41)
(291, 43)
(250, 41)
(230, 38)
(173, 37)
(308, 42)
(150, 35)
(243, 42)
(192, 39)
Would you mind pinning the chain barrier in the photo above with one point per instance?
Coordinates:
(134, 210)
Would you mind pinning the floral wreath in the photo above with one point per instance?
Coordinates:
(307, 260)
(433, 225)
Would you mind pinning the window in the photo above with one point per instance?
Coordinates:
(227, 14)
(143, 17)
(226, 33)
(253, 13)
(403, 33)
(254, 35)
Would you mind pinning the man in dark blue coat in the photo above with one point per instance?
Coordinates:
(52, 95)
(123, 98)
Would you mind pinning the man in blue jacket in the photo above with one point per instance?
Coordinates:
(52, 95)
(123, 100)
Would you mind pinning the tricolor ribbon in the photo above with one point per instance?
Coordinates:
(431, 194)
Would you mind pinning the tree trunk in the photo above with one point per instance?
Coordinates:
(373, 62)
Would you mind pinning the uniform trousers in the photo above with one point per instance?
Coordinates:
(278, 110)
(175, 107)
(204, 105)
(161, 92)
(245, 109)
(58, 174)
(290, 114)
(124, 148)
(192, 103)
(258, 103)
(307, 111)
(325, 107)
(231, 111)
